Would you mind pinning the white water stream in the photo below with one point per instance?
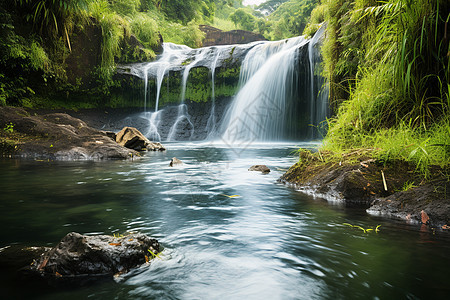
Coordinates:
(268, 85)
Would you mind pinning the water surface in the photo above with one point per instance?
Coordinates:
(267, 242)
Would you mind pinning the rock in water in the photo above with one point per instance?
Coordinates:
(260, 168)
(79, 256)
(424, 217)
(155, 146)
(175, 162)
(132, 138)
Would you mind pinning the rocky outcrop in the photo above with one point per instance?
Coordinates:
(428, 204)
(215, 36)
(55, 136)
(132, 138)
(391, 189)
(78, 257)
(260, 168)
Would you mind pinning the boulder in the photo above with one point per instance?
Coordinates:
(55, 136)
(155, 146)
(132, 138)
(175, 162)
(80, 256)
(260, 168)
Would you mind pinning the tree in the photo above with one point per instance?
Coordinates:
(243, 18)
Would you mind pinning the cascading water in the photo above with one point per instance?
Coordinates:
(318, 98)
(183, 114)
(281, 95)
(211, 124)
(259, 109)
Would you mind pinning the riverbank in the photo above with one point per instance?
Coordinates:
(392, 189)
(387, 188)
(55, 136)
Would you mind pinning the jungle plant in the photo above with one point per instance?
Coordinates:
(55, 17)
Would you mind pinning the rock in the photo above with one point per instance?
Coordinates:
(215, 36)
(110, 134)
(260, 168)
(424, 217)
(155, 146)
(79, 256)
(356, 180)
(175, 162)
(56, 136)
(132, 138)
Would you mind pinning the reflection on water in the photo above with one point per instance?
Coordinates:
(269, 241)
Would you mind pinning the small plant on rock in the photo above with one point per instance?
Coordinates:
(9, 128)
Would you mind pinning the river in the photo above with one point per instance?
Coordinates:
(227, 233)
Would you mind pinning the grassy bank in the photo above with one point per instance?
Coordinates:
(388, 64)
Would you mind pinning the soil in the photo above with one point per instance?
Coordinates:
(356, 179)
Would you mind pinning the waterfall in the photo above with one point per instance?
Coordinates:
(318, 98)
(273, 80)
(183, 114)
(280, 93)
(259, 109)
(212, 123)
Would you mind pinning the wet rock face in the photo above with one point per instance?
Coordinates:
(81, 255)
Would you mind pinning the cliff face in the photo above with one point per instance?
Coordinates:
(215, 36)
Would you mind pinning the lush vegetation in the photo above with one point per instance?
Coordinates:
(55, 51)
(388, 67)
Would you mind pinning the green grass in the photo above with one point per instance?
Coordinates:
(388, 70)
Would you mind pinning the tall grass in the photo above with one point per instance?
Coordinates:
(113, 28)
(388, 66)
(146, 29)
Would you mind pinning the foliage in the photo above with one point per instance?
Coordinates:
(189, 35)
(289, 19)
(146, 30)
(270, 6)
(9, 127)
(180, 10)
(125, 7)
(243, 18)
(388, 67)
(54, 16)
(113, 29)
(316, 20)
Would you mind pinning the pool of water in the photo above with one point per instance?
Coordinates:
(267, 241)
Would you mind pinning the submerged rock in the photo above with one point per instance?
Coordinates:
(81, 257)
(260, 168)
(175, 162)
